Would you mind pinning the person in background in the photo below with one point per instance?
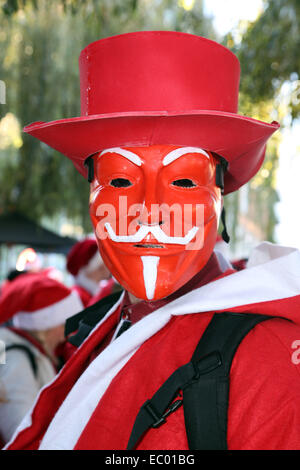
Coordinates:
(11, 275)
(161, 128)
(92, 278)
(36, 308)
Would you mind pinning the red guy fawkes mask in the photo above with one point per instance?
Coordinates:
(155, 212)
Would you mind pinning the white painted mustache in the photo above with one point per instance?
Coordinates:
(156, 231)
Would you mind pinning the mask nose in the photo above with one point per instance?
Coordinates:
(144, 220)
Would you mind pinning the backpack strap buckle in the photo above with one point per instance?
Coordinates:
(207, 364)
(157, 417)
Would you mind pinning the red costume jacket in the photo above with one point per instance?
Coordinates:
(93, 404)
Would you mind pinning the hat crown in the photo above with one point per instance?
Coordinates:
(157, 71)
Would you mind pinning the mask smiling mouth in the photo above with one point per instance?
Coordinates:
(148, 245)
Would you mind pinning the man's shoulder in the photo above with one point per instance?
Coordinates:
(264, 407)
(270, 352)
(276, 337)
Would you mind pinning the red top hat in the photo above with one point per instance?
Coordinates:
(160, 87)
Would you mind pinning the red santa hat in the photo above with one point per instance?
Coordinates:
(83, 254)
(38, 302)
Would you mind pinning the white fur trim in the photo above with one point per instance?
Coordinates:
(51, 316)
(277, 278)
(76, 410)
(266, 252)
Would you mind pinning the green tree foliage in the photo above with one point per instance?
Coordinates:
(269, 54)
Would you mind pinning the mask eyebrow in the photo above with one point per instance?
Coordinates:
(177, 153)
(124, 153)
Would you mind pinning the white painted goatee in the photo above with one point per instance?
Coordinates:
(150, 264)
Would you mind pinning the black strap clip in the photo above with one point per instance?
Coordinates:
(157, 418)
(207, 364)
(221, 169)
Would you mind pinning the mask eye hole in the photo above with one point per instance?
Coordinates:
(184, 183)
(120, 183)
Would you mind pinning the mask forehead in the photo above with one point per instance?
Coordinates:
(155, 155)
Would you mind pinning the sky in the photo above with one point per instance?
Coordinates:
(227, 13)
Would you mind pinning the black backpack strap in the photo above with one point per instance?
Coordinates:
(83, 322)
(204, 382)
(153, 412)
(28, 352)
(206, 398)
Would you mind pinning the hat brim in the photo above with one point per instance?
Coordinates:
(239, 139)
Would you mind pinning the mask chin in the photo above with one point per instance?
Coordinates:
(155, 276)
